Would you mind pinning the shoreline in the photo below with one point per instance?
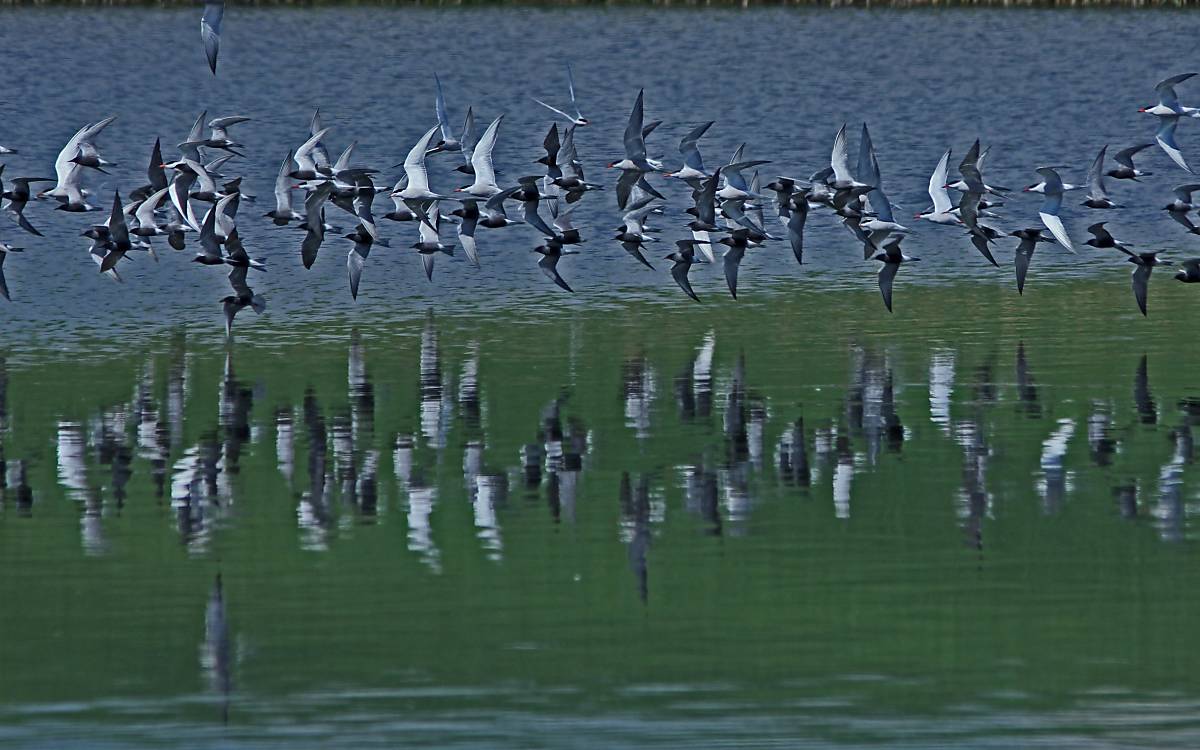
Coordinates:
(857, 4)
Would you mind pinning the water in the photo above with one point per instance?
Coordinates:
(482, 513)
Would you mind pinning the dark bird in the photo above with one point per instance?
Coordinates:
(1189, 272)
(1102, 239)
(1144, 263)
(551, 253)
(684, 258)
(891, 258)
(1024, 254)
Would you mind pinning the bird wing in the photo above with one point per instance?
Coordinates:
(443, 117)
(839, 158)
(1055, 225)
(731, 260)
(690, 150)
(571, 92)
(210, 30)
(1165, 136)
(887, 275)
(1141, 285)
(145, 212)
(1095, 176)
(116, 222)
(481, 158)
(283, 187)
(937, 185)
(549, 266)
(354, 267)
(679, 272)
(1166, 88)
(635, 142)
(414, 163)
(795, 229)
(1099, 232)
(1021, 261)
(1124, 157)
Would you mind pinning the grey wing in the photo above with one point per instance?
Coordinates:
(1166, 88)
(1183, 219)
(1021, 260)
(981, 244)
(887, 275)
(3, 281)
(1124, 157)
(635, 144)
(354, 267)
(795, 230)
(1095, 176)
(237, 280)
(283, 187)
(731, 261)
(571, 91)
(1165, 136)
(1099, 232)
(530, 214)
(549, 266)
(689, 149)
(624, 186)
(443, 117)
(210, 30)
(968, 210)
(1141, 285)
(310, 246)
(679, 272)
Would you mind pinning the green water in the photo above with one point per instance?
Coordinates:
(783, 521)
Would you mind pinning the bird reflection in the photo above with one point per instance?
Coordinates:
(434, 412)
(1055, 481)
(941, 388)
(215, 651)
(313, 514)
(1027, 390)
(638, 387)
(16, 486)
(1102, 446)
(1143, 400)
(791, 455)
(421, 499)
(635, 528)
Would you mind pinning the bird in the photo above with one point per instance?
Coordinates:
(417, 195)
(243, 296)
(448, 143)
(18, 196)
(484, 185)
(731, 260)
(683, 259)
(210, 30)
(1181, 205)
(552, 252)
(634, 166)
(1102, 239)
(283, 213)
(430, 241)
(891, 258)
(576, 119)
(1097, 196)
(942, 211)
(118, 231)
(1052, 188)
(1144, 263)
(1165, 137)
(1024, 254)
(1168, 102)
(1124, 159)
(357, 257)
(692, 171)
(1189, 272)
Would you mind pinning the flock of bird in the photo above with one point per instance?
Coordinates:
(727, 211)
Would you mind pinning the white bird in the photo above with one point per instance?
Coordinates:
(1165, 137)
(484, 185)
(943, 210)
(1168, 102)
(577, 118)
(1052, 188)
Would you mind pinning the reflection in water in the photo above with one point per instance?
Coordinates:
(337, 458)
(215, 650)
(635, 528)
